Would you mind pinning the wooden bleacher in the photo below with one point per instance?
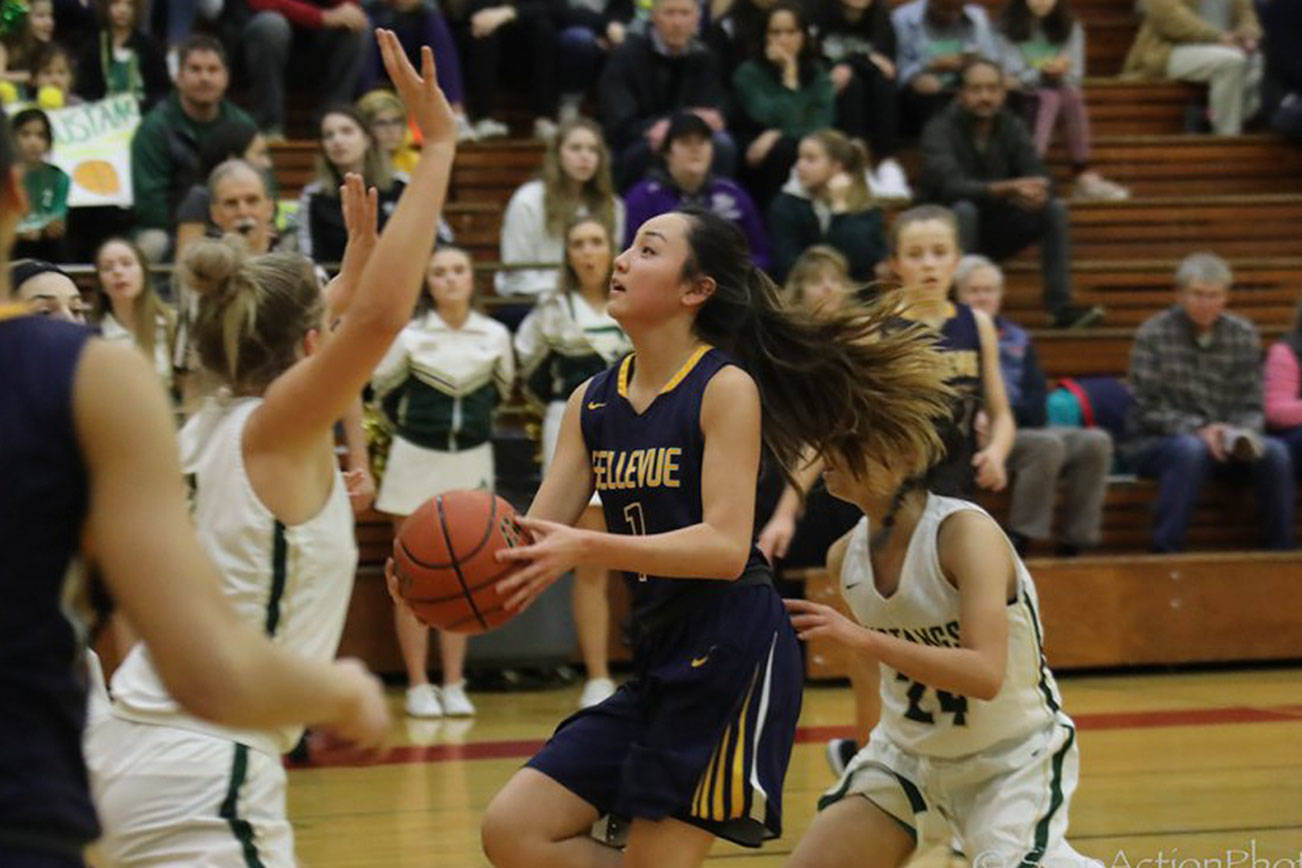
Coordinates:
(1238, 196)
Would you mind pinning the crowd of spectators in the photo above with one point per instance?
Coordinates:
(784, 117)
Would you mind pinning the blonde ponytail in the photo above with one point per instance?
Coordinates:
(253, 311)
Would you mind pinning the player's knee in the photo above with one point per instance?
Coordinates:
(501, 842)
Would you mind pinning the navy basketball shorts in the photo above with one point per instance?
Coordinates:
(703, 732)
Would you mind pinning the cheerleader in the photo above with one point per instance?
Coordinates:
(439, 385)
(566, 339)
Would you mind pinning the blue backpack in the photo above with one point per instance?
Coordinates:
(1091, 402)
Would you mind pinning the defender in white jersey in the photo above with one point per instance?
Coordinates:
(270, 504)
(972, 734)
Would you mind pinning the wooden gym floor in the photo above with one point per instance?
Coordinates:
(1186, 768)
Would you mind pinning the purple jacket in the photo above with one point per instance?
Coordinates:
(656, 194)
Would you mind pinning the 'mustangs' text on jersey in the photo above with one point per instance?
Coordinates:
(924, 609)
(647, 467)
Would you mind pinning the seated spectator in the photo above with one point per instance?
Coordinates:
(330, 38)
(418, 23)
(1206, 41)
(513, 29)
(128, 309)
(346, 146)
(52, 77)
(42, 233)
(1044, 51)
(46, 289)
(858, 41)
(1282, 88)
(1041, 456)
(387, 120)
(977, 157)
(685, 182)
(1283, 388)
(650, 78)
(239, 203)
(785, 93)
(233, 140)
(122, 58)
(165, 149)
(1196, 375)
(35, 30)
(827, 202)
(575, 182)
(934, 38)
(819, 281)
(590, 30)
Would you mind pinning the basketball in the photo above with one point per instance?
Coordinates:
(444, 560)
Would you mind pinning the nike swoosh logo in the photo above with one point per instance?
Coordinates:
(593, 405)
(698, 662)
(853, 585)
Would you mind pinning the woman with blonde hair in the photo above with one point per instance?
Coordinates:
(387, 120)
(575, 181)
(827, 201)
(129, 309)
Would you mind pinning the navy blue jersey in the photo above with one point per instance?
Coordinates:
(44, 799)
(960, 342)
(647, 469)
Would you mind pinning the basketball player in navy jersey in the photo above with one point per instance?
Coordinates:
(696, 745)
(89, 464)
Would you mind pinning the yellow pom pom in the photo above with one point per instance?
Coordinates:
(49, 97)
(8, 93)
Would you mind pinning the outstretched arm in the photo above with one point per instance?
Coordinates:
(308, 398)
(138, 526)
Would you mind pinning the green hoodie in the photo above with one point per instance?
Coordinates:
(165, 158)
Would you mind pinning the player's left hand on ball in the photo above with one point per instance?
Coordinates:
(391, 582)
(556, 549)
(817, 621)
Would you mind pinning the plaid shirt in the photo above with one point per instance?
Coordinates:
(1181, 386)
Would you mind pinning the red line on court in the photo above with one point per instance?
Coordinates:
(521, 749)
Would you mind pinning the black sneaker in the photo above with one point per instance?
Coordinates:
(839, 753)
(1073, 316)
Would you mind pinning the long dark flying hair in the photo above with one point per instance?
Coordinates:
(807, 60)
(1017, 21)
(854, 383)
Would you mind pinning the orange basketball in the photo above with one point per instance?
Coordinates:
(444, 560)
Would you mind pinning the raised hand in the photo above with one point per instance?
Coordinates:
(419, 91)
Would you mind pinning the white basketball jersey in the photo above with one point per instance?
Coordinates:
(925, 609)
(293, 583)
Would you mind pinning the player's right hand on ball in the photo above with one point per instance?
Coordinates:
(364, 718)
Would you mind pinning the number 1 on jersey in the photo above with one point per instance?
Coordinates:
(637, 523)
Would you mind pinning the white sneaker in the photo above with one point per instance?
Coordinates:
(570, 105)
(465, 132)
(888, 181)
(487, 128)
(423, 701)
(455, 701)
(544, 129)
(596, 691)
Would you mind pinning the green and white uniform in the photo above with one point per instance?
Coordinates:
(1000, 773)
(561, 343)
(174, 789)
(439, 387)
